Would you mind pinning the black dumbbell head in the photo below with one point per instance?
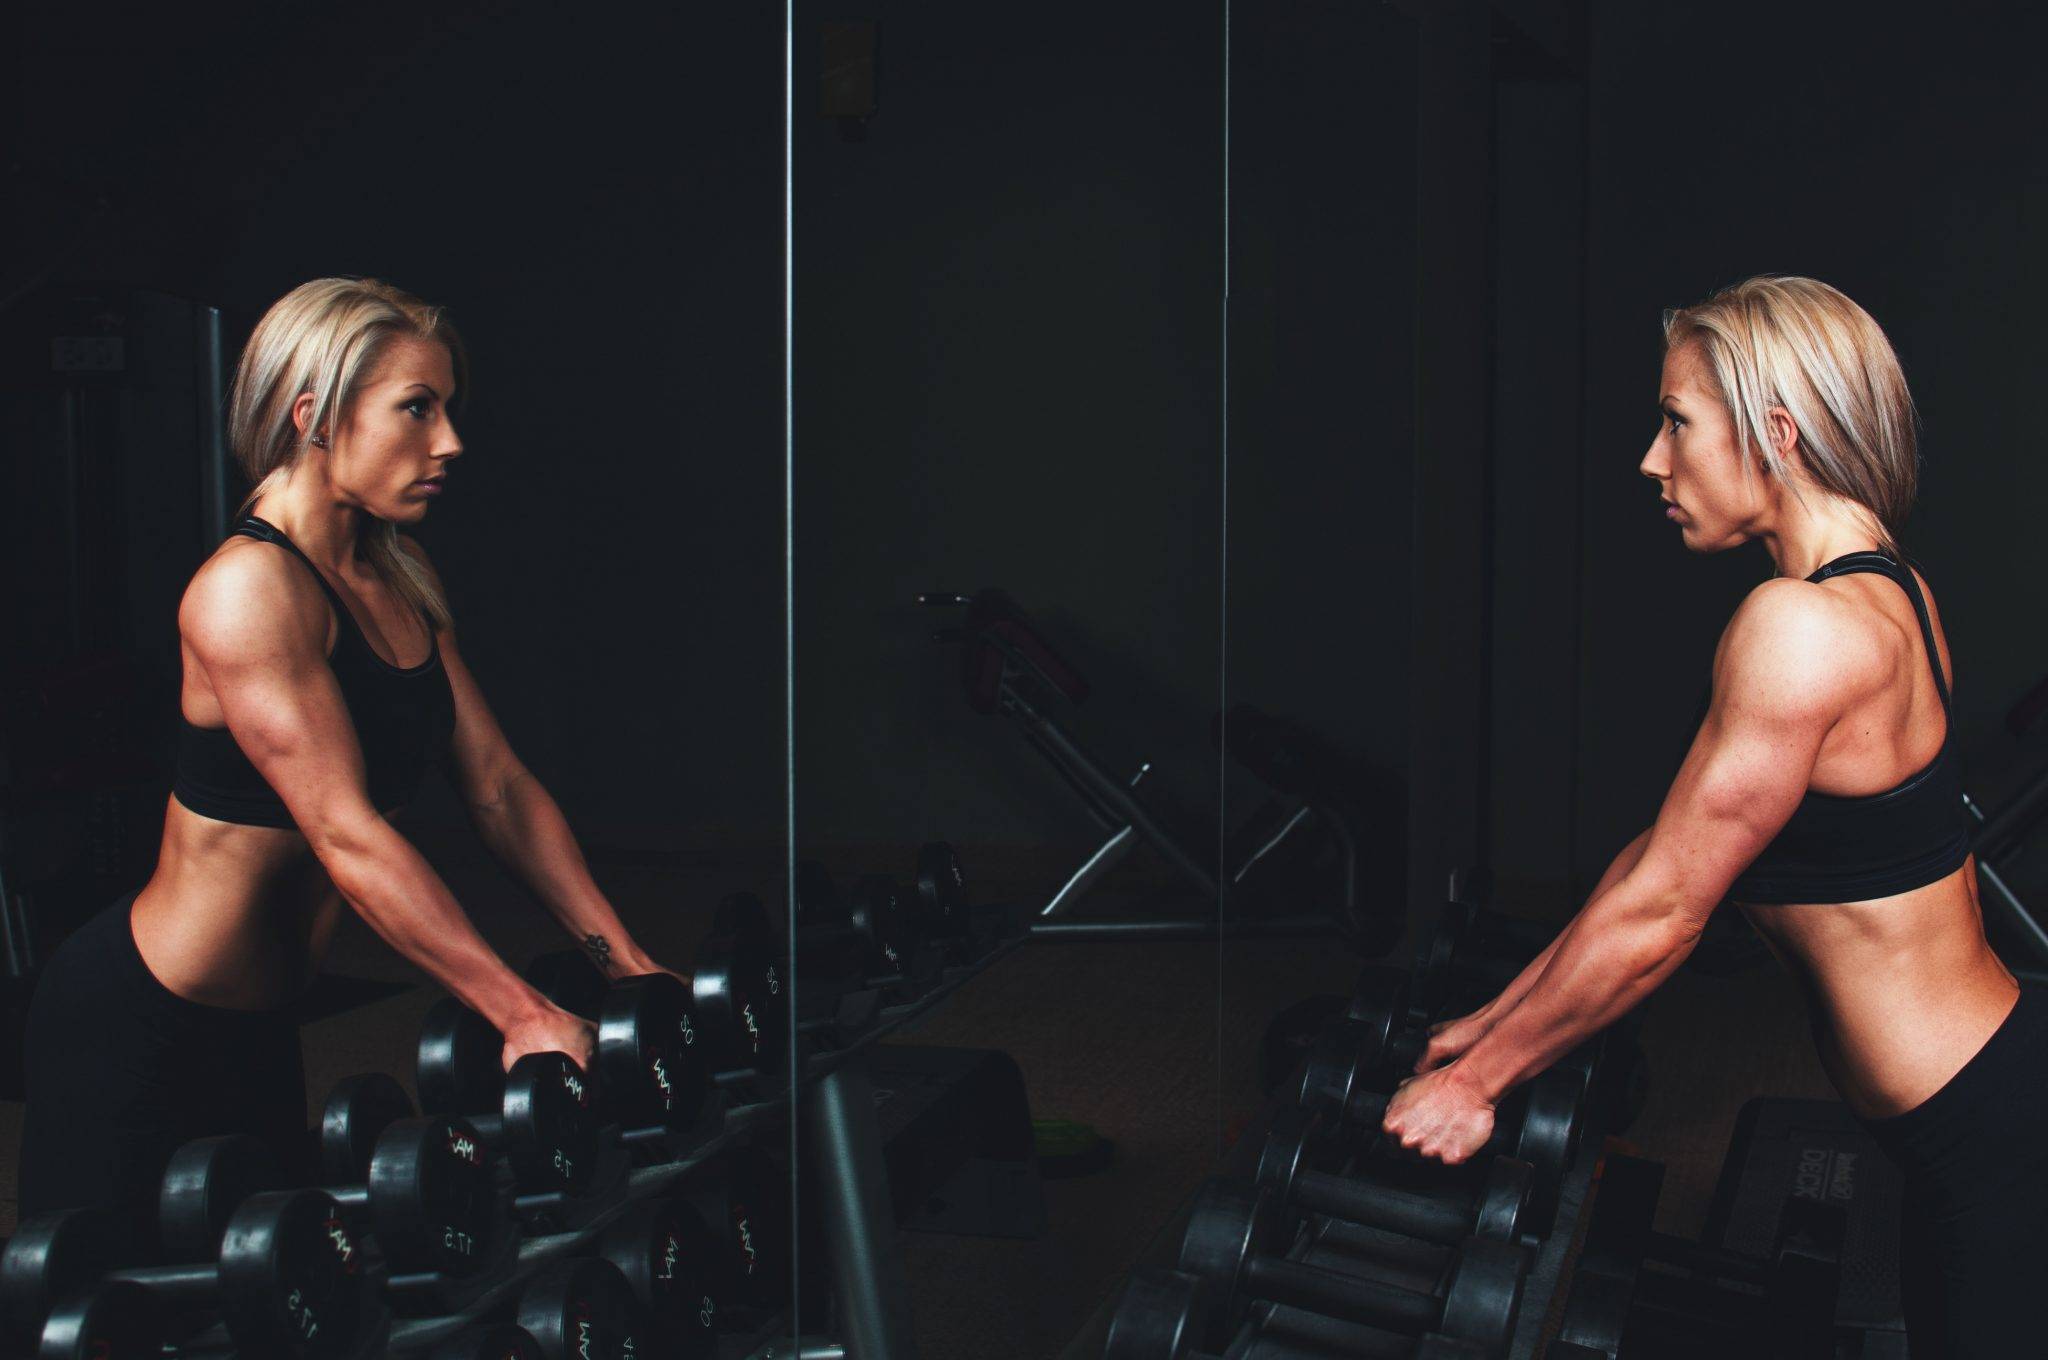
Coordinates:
(672, 1260)
(941, 891)
(357, 1112)
(1229, 1225)
(1484, 1293)
(579, 1306)
(739, 990)
(433, 1195)
(292, 1276)
(757, 1227)
(205, 1181)
(651, 1063)
(1505, 1199)
(119, 1320)
(550, 1129)
(1162, 1315)
(1296, 1143)
(1550, 1106)
(460, 1064)
(54, 1256)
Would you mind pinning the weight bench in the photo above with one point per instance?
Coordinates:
(1009, 669)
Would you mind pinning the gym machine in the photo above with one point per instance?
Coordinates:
(1008, 669)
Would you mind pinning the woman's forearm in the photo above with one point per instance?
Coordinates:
(1618, 950)
(525, 829)
(397, 893)
(1512, 994)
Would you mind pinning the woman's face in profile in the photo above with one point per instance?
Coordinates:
(1697, 460)
(397, 439)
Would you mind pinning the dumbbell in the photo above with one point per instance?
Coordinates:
(118, 1320)
(1162, 1312)
(864, 939)
(737, 1013)
(1232, 1241)
(744, 1197)
(426, 1195)
(651, 1062)
(674, 1263)
(581, 1308)
(538, 1116)
(940, 907)
(289, 1282)
(1537, 1123)
(741, 993)
(1498, 1209)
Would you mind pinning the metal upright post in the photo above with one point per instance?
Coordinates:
(838, 1114)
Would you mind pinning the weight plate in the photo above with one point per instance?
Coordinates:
(119, 1320)
(204, 1183)
(1484, 1293)
(291, 1277)
(357, 1112)
(550, 1130)
(582, 1307)
(55, 1255)
(1504, 1199)
(1549, 1137)
(1229, 1225)
(433, 1197)
(941, 890)
(671, 1258)
(650, 1063)
(757, 1228)
(1162, 1313)
(739, 991)
(459, 1069)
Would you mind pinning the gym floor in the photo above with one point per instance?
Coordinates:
(1154, 1043)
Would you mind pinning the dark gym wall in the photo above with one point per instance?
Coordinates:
(1008, 342)
(1009, 298)
(599, 204)
(1895, 154)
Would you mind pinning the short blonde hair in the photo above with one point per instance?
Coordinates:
(324, 338)
(1796, 343)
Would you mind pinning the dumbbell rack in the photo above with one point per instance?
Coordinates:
(831, 1093)
(1321, 1237)
(1324, 1242)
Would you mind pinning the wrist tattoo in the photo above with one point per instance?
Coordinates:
(600, 951)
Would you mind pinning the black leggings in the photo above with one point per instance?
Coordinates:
(1974, 1234)
(121, 1071)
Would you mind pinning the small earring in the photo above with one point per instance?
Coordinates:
(319, 441)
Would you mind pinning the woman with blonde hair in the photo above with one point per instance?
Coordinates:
(1820, 795)
(320, 677)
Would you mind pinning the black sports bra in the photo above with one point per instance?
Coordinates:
(1854, 848)
(404, 717)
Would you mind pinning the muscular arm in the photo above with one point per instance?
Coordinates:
(1449, 1039)
(286, 712)
(1780, 684)
(1512, 994)
(521, 825)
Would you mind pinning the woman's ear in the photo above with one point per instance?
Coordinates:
(1784, 433)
